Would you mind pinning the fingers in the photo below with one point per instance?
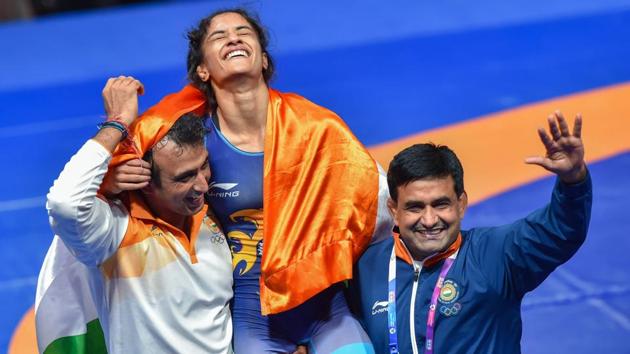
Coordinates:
(120, 97)
(140, 88)
(108, 85)
(577, 126)
(558, 126)
(132, 178)
(128, 182)
(535, 160)
(564, 127)
(553, 128)
(130, 82)
(132, 186)
(546, 140)
(543, 162)
(133, 171)
(131, 175)
(138, 163)
(124, 82)
(564, 149)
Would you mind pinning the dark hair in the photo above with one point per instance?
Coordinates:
(189, 130)
(196, 38)
(423, 161)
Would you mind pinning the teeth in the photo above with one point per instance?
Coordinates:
(431, 232)
(236, 53)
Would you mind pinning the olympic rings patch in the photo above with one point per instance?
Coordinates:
(450, 310)
(217, 239)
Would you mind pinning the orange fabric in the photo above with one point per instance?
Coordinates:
(320, 199)
(151, 127)
(144, 133)
(403, 253)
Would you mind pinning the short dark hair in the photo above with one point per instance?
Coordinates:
(424, 161)
(196, 37)
(189, 130)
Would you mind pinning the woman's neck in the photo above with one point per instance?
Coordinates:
(242, 115)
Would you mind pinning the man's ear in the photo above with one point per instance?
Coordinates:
(203, 73)
(265, 61)
(149, 190)
(463, 203)
(392, 206)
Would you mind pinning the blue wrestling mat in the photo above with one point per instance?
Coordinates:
(391, 71)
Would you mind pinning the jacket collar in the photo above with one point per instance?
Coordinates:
(139, 209)
(403, 253)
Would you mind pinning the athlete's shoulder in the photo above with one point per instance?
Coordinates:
(306, 107)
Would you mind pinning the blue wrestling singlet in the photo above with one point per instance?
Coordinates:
(235, 195)
(324, 322)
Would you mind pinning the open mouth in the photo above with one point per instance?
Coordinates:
(432, 233)
(236, 53)
(195, 202)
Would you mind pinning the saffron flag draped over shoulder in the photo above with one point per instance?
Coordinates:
(65, 313)
(320, 201)
(324, 197)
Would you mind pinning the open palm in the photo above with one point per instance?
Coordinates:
(565, 149)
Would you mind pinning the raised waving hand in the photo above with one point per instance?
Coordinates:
(564, 149)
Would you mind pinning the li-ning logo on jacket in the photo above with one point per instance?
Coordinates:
(222, 190)
(379, 307)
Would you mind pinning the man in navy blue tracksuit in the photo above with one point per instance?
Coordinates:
(435, 288)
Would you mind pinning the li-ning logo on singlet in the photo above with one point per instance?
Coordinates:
(379, 307)
(223, 190)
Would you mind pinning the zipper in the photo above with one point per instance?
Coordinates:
(412, 311)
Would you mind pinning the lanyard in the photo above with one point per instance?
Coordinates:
(391, 303)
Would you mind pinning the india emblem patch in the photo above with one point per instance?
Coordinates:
(449, 294)
(214, 228)
(216, 236)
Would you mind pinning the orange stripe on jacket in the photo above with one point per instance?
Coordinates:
(403, 253)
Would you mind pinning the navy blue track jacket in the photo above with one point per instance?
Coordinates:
(495, 267)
